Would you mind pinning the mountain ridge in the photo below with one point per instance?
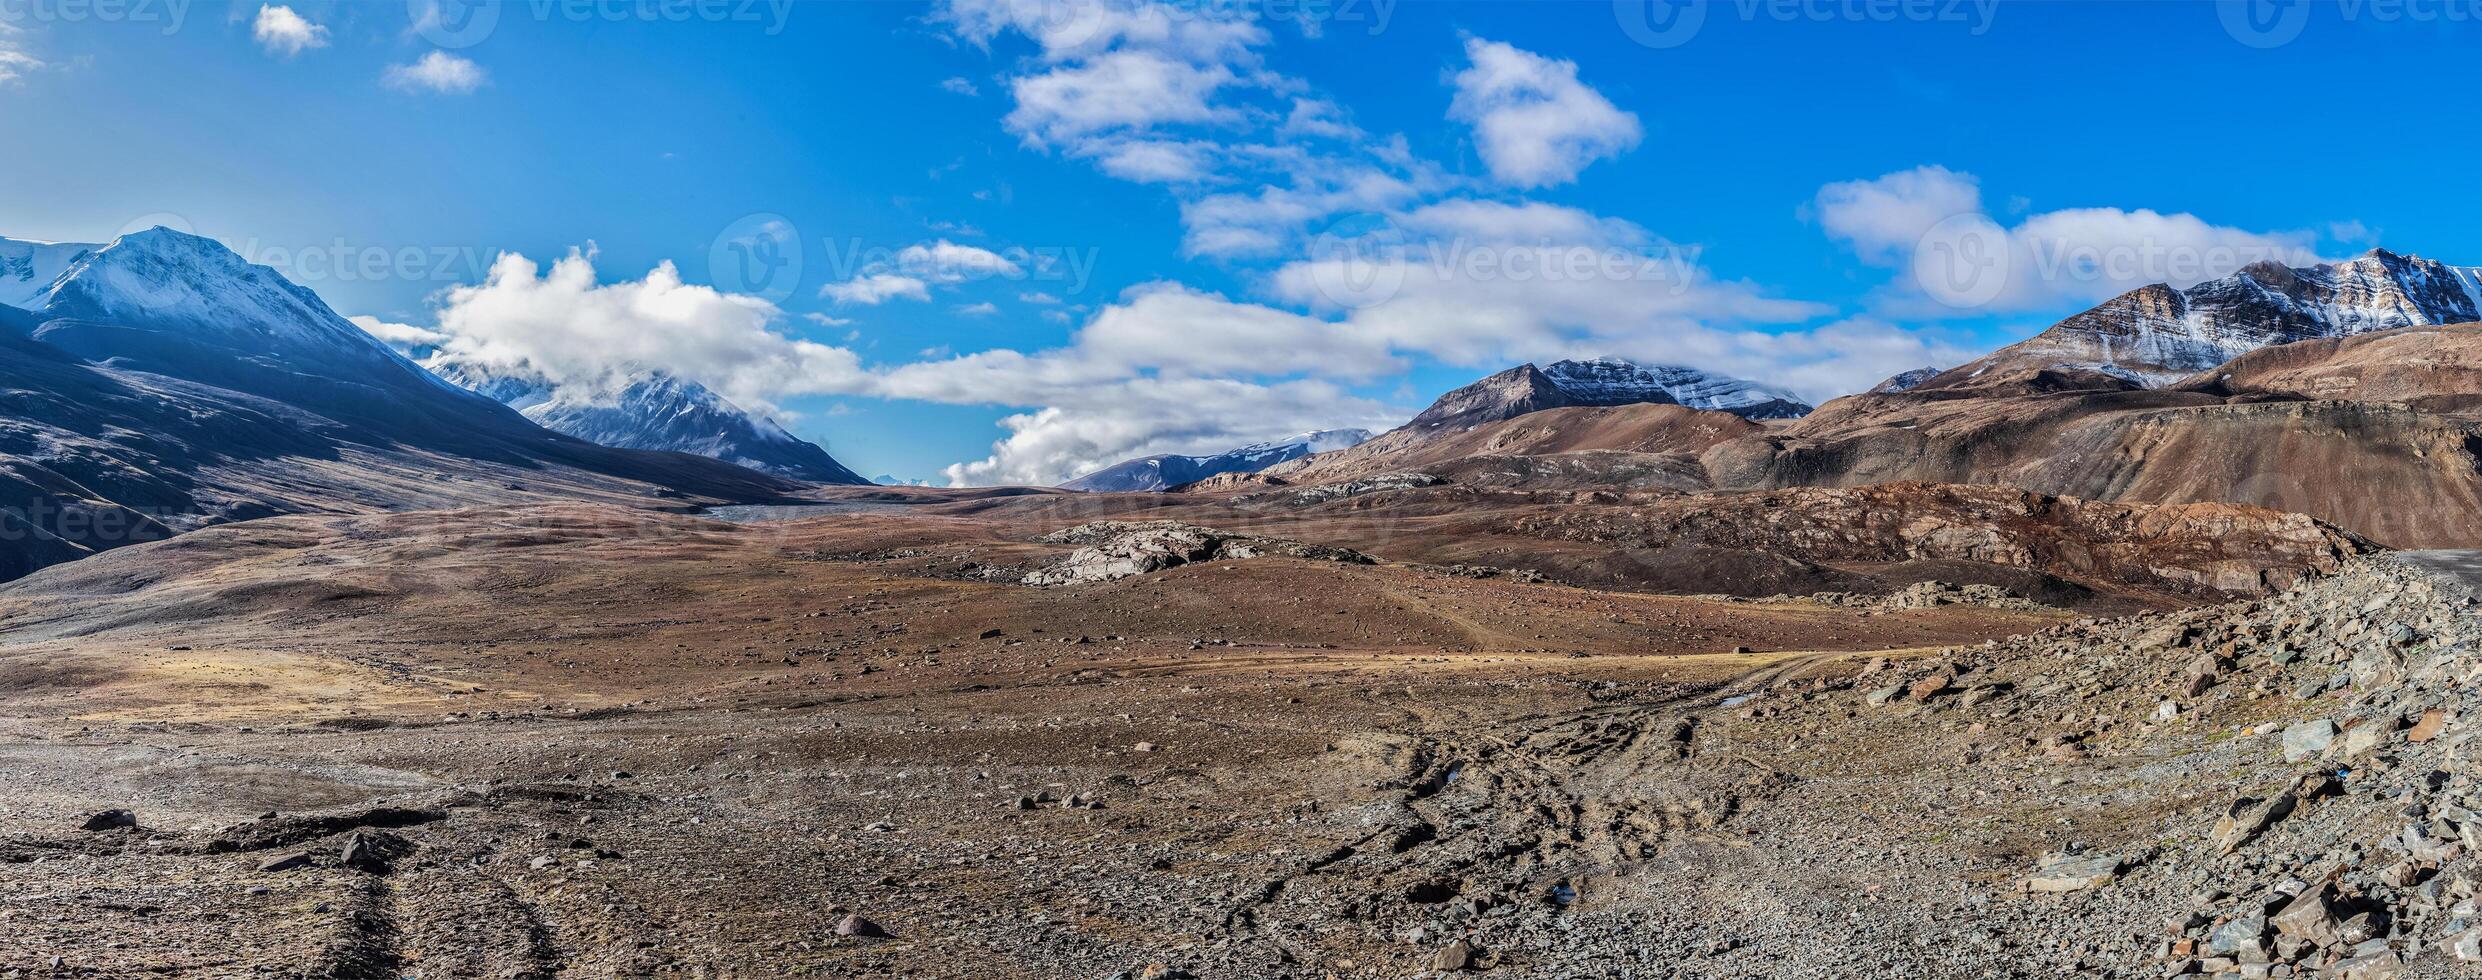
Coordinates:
(1165, 471)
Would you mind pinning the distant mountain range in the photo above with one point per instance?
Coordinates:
(158, 383)
(652, 410)
(1167, 471)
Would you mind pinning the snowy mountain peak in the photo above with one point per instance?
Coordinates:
(28, 268)
(1612, 380)
(1906, 381)
(652, 410)
(1164, 472)
(171, 280)
(2158, 334)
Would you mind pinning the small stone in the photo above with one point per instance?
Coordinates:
(1143, 747)
(2069, 873)
(109, 820)
(1929, 687)
(2431, 724)
(1455, 956)
(2311, 917)
(2244, 935)
(285, 862)
(854, 925)
(2308, 740)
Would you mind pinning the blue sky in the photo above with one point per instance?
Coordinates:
(1136, 228)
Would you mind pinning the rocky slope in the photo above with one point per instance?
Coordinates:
(159, 384)
(1613, 381)
(1163, 472)
(2347, 431)
(1651, 444)
(2159, 335)
(653, 410)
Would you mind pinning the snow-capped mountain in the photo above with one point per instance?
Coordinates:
(657, 411)
(1610, 380)
(1603, 382)
(2157, 335)
(28, 269)
(159, 383)
(1906, 381)
(183, 306)
(1168, 471)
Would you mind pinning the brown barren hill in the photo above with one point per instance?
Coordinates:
(2365, 432)
(1608, 439)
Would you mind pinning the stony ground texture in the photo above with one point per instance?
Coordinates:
(862, 747)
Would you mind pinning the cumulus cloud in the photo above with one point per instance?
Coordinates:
(403, 335)
(1142, 417)
(1534, 123)
(285, 33)
(1956, 258)
(579, 333)
(1114, 91)
(947, 261)
(14, 61)
(437, 71)
(985, 308)
(872, 290)
(959, 86)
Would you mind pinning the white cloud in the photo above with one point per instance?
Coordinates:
(825, 320)
(872, 290)
(1882, 218)
(984, 308)
(14, 61)
(1142, 417)
(283, 32)
(959, 86)
(1534, 123)
(398, 334)
(1039, 298)
(1071, 29)
(1154, 161)
(1957, 259)
(437, 71)
(948, 262)
(1115, 91)
(580, 333)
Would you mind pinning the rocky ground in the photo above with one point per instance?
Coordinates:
(580, 742)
